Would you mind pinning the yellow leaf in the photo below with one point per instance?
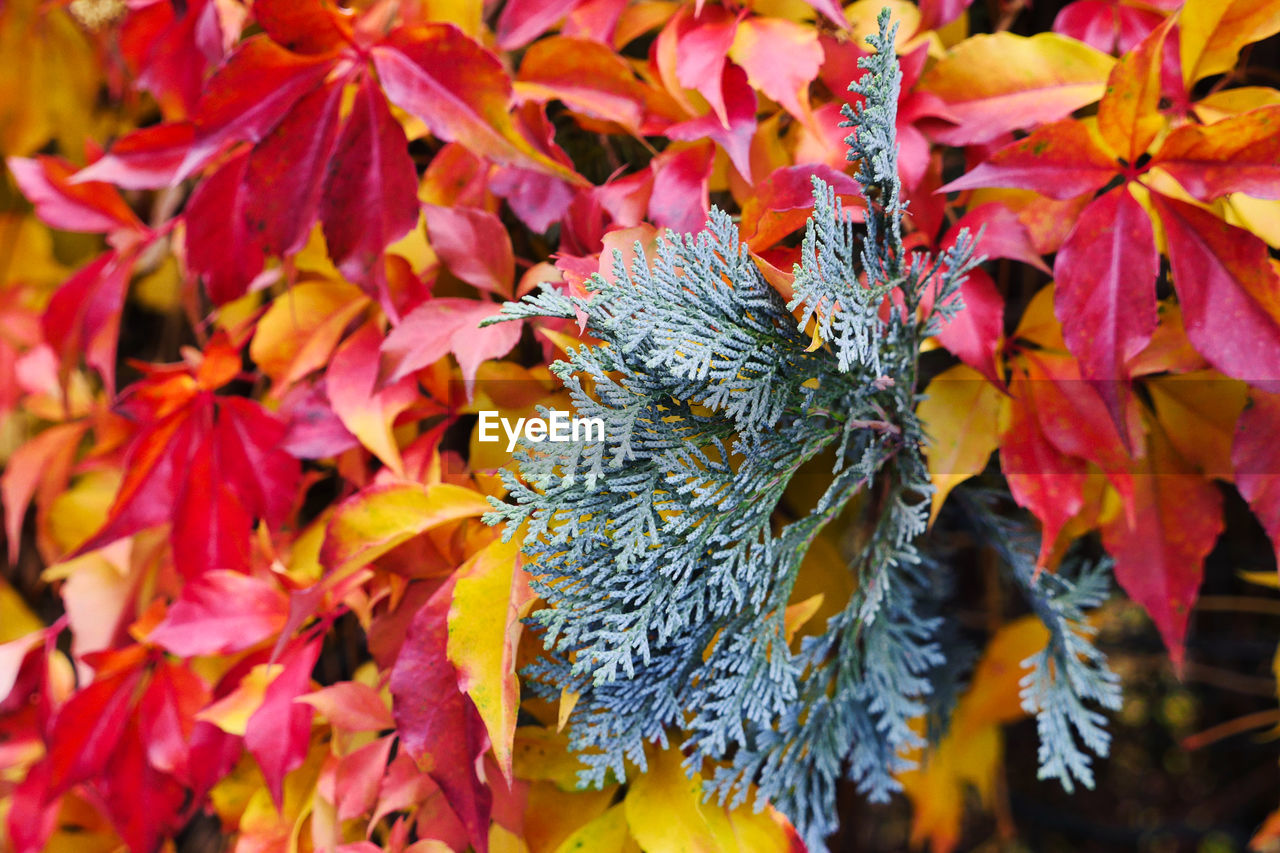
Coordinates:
(998, 82)
(664, 808)
(1198, 412)
(568, 701)
(972, 750)
(1039, 325)
(862, 17)
(300, 330)
(161, 289)
(604, 834)
(231, 713)
(56, 93)
(1260, 216)
(489, 599)
(29, 257)
(542, 754)
(16, 618)
(798, 614)
(1267, 579)
(1213, 31)
(502, 840)
(1230, 102)
(386, 515)
(552, 815)
(960, 413)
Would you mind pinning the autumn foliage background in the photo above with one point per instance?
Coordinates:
(249, 603)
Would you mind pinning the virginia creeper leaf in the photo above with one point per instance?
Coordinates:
(996, 83)
(369, 199)
(1105, 294)
(1228, 290)
(1159, 556)
(380, 517)
(1237, 154)
(490, 596)
(1061, 160)
(438, 725)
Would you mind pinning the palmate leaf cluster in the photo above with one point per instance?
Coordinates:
(660, 552)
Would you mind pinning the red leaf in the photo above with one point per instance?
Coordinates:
(1228, 290)
(1255, 456)
(144, 805)
(155, 470)
(211, 527)
(1041, 479)
(33, 811)
(1075, 419)
(1238, 154)
(938, 13)
(83, 317)
(285, 175)
(441, 326)
(207, 464)
(249, 95)
(43, 463)
(142, 160)
(88, 728)
(474, 244)
(315, 431)
(784, 201)
(975, 333)
(278, 733)
(439, 726)
(168, 53)
(90, 206)
(781, 58)
(303, 26)
(221, 612)
(1003, 234)
(368, 413)
(369, 198)
(459, 89)
(1160, 554)
(734, 129)
(680, 188)
(537, 198)
(166, 717)
(1061, 160)
(522, 21)
(219, 244)
(1105, 24)
(1105, 294)
(833, 12)
(262, 474)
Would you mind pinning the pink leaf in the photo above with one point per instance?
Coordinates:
(441, 326)
(278, 733)
(221, 612)
(474, 244)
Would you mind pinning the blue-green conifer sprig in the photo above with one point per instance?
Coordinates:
(662, 553)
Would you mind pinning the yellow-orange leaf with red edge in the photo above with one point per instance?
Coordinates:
(371, 523)
(490, 597)
(995, 83)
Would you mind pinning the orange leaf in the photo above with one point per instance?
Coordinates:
(1129, 114)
